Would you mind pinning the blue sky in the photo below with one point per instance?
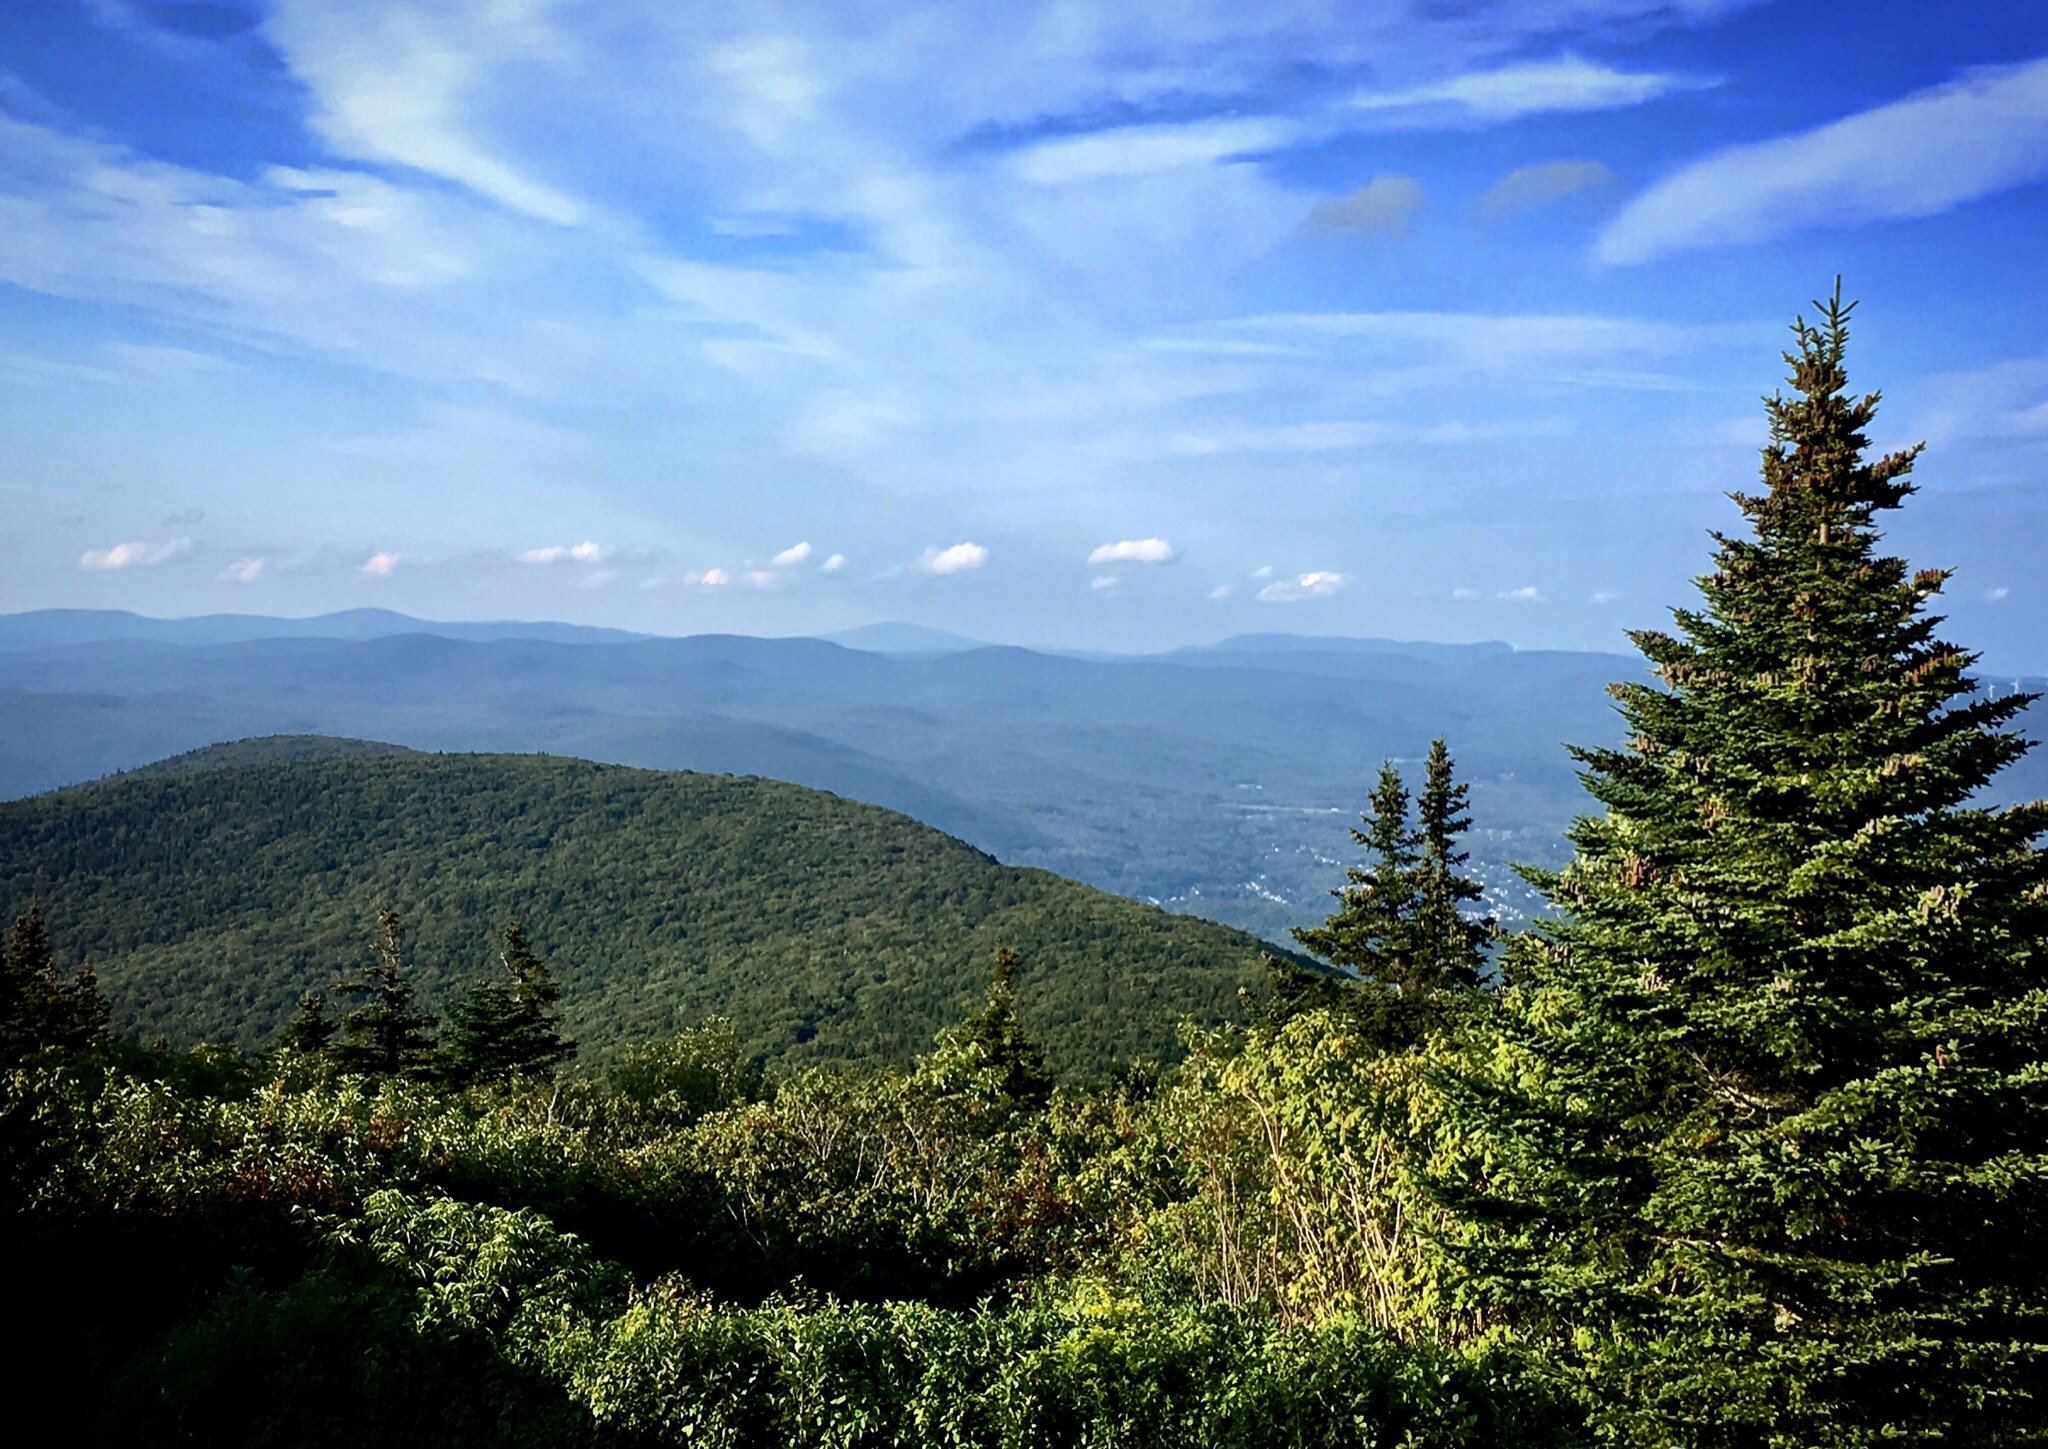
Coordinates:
(1121, 324)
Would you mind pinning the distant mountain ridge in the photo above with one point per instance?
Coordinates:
(211, 890)
(1221, 779)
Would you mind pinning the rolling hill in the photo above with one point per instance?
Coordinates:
(211, 890)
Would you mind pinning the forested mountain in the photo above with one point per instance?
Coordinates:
(211, 891)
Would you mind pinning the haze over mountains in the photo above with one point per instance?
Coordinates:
(1219, 780)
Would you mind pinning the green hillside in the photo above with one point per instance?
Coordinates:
(210, 895)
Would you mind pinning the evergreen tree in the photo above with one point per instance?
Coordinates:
(1371, 930)
(383, 1035)
(310, 1032)
(40, 1007)
(1447, 942)
(1764, 1118)
(23, 965)
(507, 1027)
(1402, 922)
(995, 1038)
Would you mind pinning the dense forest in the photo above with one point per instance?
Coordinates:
(1741, 1145)
(212, 890)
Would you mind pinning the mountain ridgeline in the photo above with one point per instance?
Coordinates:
(210, 891)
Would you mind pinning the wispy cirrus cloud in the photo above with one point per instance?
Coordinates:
(1919, 156)
(1567, 83)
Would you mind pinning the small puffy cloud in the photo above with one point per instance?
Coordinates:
(709, 579)
(1527, 594)
(1318, 585)
(1604, 596)
(790, 557)
(583, 553)
(1465, 594)
(833, 564)
(1387, 203)
(244, 570)
(133, 555)
(1532, 188)
(1221, 591)
(955, 560)
(1103, 583)
(1998, 593)
(760, 578)
(1133, 550)
(1263, 571)
(380, 565)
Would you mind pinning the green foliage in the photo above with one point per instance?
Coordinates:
(1762, 1121)
(827, 929)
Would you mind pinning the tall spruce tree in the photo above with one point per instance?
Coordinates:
(1447, 941)
(1764, 1114)
(1401, 921)
(1371, 932)
(384, 1034)
(505, 1027)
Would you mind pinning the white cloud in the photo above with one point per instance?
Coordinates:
(1565, 84)
(1103, 583)
(1263, 571)
(1998, 593)
(133, 555)
(833, 564)
(1464, 593)
(709, 578)
(792, 556)
(244, 570)
(380, 565)
(1133, 550)
(1221, 591)
(583, 553)
(1387, 203)
(954, 560)
(1920, 156)
(760, 578)
(1527, 594)
(1318, 585)
(1603, 596)
(1531, 188)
